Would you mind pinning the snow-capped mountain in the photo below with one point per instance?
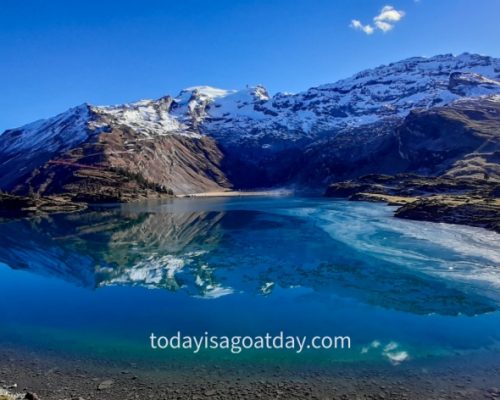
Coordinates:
(207, 138)
(370, 96)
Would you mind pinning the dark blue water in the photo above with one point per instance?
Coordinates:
(98, 283)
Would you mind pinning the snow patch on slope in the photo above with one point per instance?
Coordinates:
(208, 91)
(58, 133)
(371, 96)
(147, 117)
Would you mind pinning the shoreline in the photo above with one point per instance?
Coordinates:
(235, 193)
(55, 378)
(476, 208)
(12, 206)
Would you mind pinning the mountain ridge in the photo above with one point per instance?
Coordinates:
(207, 138)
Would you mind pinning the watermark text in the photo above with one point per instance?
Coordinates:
(237, 344)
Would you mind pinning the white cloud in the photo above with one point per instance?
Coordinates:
(389, 14)
(384, 21)
(356, 24)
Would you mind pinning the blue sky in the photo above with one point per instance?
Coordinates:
(57, 54)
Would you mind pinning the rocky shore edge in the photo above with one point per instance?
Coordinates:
(473, 202)
(28, 375)
(18, 206)
(22, 206)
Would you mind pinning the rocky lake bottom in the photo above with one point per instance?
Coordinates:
(53, 377)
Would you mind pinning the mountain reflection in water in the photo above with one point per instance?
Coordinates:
(225, 251)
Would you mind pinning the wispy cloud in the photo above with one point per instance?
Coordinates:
(384, 21)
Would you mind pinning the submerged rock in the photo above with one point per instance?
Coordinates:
(105, 384)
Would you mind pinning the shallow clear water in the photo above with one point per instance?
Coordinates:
(98, 283)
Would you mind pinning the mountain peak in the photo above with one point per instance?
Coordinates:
(209, 92)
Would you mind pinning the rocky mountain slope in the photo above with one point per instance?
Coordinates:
(462, 139)
(211, 139)
(110, 151)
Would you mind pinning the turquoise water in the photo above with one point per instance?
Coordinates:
(98, 283)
